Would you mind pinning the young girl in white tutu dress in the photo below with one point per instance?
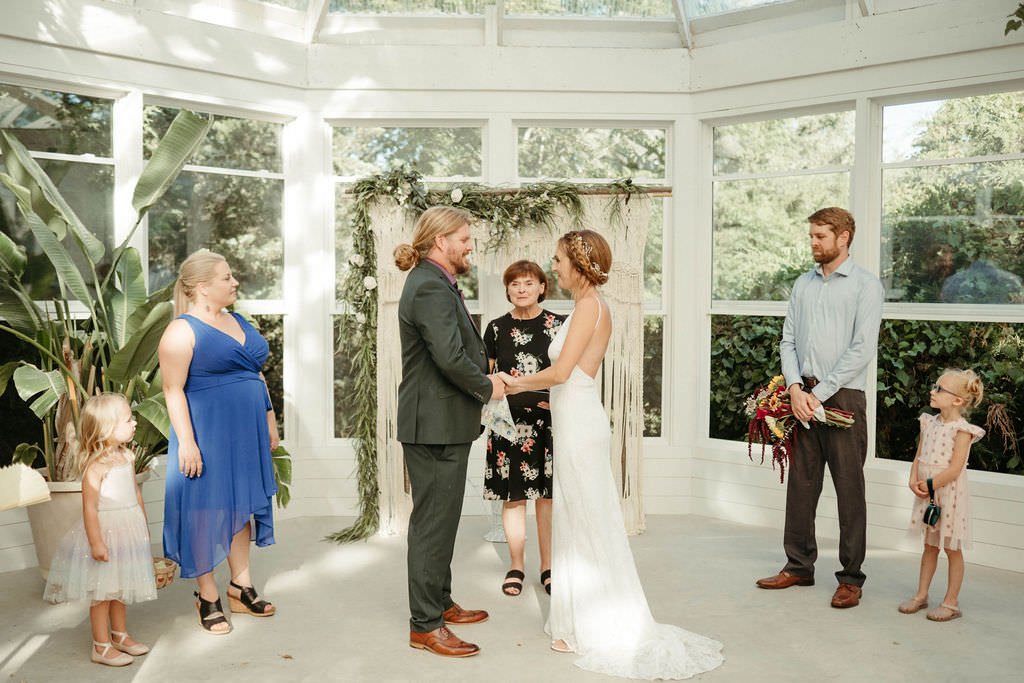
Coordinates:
(107, 558)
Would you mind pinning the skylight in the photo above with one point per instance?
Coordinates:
(705, 8)
(409, 6)
(590, 8)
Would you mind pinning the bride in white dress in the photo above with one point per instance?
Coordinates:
(598, 607)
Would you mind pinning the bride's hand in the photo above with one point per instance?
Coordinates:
(511, 383)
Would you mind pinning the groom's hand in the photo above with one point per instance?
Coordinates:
(497, 387)
(511, 384)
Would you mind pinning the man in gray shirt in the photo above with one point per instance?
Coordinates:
(828, 342)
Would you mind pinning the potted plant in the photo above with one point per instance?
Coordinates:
(101, 334)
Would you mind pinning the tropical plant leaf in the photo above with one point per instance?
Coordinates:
(48, 387)
(26, 453)
(67, 271)
(283, 475)
(19, 311)
(46, 198)
(129, 294)
(141, 312)
(154, 411)
(6, 370)
(186, 133)
(13, 258)
(140, 349)
(21, 193)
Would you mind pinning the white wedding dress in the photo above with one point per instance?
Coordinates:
(598, 606)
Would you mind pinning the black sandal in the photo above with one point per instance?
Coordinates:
(248, 602)
(211, 614)
(545, 579)
(507, 587)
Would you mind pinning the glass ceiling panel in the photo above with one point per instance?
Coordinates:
(409, 6)
(590, 8)
(302, 5)
(705, 8)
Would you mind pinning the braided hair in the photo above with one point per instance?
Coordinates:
(589, 254)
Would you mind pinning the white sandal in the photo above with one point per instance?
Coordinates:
(118, 642)
(560, 645)
(122, 658)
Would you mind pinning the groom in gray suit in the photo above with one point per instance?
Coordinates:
(444, 387)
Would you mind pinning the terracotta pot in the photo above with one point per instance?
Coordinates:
(51, 520)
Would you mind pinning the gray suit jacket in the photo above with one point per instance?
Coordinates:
(444, 364)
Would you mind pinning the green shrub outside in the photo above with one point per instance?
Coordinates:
(911, 355)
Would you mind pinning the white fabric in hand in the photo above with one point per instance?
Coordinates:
(497, 417)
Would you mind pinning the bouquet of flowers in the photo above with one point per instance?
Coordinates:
(772, 422)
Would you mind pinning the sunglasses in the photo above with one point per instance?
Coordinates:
(938, 389)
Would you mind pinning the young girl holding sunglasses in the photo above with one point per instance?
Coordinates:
(939, 475)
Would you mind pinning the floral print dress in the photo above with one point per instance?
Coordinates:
(521, 469)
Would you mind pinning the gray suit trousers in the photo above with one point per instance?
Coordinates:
(844, 451)
(437, 474)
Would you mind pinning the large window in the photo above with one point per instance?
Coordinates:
(953, 205)
(767, 178)
(951, 258)
(952, 262)
(596, 154)
(69, 135)
(443, 154)
(228, 200)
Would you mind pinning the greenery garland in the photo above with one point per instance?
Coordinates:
(505, 212)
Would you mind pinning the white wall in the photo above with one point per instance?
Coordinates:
(923, 47)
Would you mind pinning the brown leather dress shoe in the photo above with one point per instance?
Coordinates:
(847, 595)
(442, 642)
(457, 615)
(784, 580)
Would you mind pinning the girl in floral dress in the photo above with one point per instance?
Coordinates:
(520, 470)
(941, 463)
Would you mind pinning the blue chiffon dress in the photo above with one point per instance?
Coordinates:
(228, 404)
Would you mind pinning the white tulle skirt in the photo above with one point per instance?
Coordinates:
(127, 576)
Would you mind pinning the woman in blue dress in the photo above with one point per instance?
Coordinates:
(220, 476)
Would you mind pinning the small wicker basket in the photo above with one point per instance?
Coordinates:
(164, 569)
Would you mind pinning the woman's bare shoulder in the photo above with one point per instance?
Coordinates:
(178, 334)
